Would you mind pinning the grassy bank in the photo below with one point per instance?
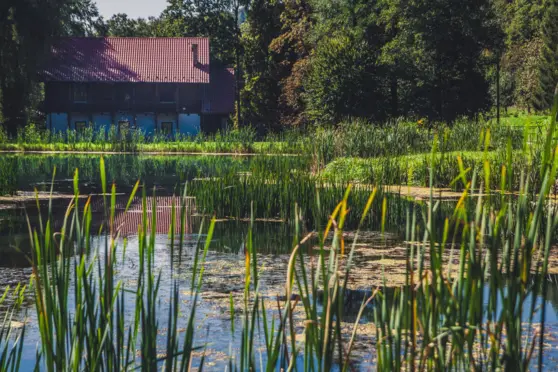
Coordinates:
(206, 147)
(326, 142)
(414, 170)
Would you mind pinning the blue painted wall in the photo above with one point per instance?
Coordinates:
(149, 123)
(146, 122)
(58, 122)
(102, 121)
(189, 124)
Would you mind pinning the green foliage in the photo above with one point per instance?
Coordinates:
(260, 93)
(498, 246)
(548, 65)
(31, 134)
(8, 176)
(3, 135)
(521, 19)
(121, 25)
(414, 170)
(211, 19)
(26, 33)
(445, 75)
(292, 47)
(363, 139)
(343, 80)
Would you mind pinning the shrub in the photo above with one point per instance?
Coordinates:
(3, 135)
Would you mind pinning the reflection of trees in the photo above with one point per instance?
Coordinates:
(124, 170)
(8, 175)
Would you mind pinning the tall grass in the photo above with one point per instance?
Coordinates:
(81, 305)
(439, 320)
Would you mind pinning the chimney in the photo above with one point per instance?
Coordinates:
(195, 54)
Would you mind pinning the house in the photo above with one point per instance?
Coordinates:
(156, 84)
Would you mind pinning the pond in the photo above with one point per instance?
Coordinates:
(234, 190)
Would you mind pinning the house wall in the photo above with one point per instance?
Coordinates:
(189, 124)
(57, 122)
(146, 122)
(143, 105)
(102, 121)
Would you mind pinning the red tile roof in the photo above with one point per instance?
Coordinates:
(221, 91)
(134, 59)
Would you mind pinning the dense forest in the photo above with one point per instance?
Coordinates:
(321, 61)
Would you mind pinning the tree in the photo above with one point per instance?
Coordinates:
(521, 21)
(292, 48)
(260, 93)
(342, 80)
(27, 29)
(346, 78)
(548, 65)
(209, 18)
(121, 25)
(443, 45)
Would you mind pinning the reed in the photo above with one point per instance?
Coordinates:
(80, 304)
(439, 321)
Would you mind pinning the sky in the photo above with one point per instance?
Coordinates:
(134, 8)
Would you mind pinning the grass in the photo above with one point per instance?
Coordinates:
(355, 138)
(207, 147)
(414, 170)
(241, 141)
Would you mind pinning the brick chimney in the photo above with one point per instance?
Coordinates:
(195, 54)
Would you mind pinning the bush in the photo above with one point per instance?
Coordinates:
(30, 134)
(3, 135)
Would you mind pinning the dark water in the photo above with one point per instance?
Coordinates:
(273, 238)
(225, 277)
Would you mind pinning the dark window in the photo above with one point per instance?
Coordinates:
(80, 126)
(166, 127)
(80, 93)
(167, 93)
